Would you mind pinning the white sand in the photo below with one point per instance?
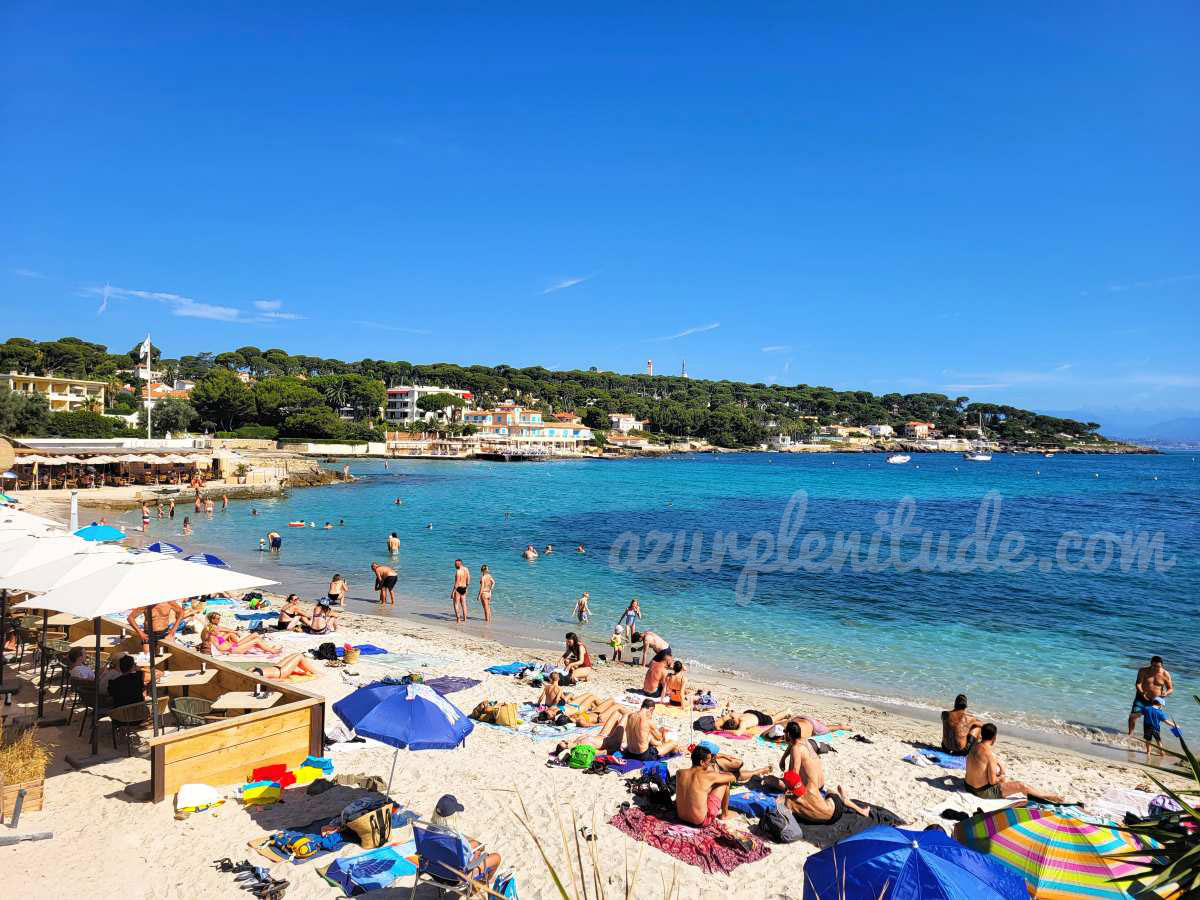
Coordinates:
(106, 845)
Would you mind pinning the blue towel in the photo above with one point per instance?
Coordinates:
(450, 684)
(368, 871)
(509, 669)
(324, 763)
(255, 616)
(363, 649)
(752, 803)
(945, 760)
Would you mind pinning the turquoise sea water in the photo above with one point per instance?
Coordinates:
(1044, 645)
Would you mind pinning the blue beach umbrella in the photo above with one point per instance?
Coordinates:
(164, 547)
(896, 864)
(206, 559)
(404, 716)
(100, 533)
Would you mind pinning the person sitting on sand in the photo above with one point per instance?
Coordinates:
(960, 729)
(289, 666)
(291, 617)
(651, 644)
(676, 684)
(807, 799)
(385, 583)
(480, 866)
(985, 776)
(733, 765)
(656, 675)
(643, 739)
(530, 553)
(337, 589)
(702, 791)
(218, 641)
(749, 722)
(553, 695)
(323, 619)
(576, 659)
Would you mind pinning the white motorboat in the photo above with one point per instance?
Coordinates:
(897, 459)
(977, 456)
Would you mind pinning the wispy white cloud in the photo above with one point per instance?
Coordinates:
(1062, 367)
(380, 325)
(565, 283)
(188, 307)
(1065, 375)
(28, 273)
(694, 330)
(1122, 287)
(777, 348)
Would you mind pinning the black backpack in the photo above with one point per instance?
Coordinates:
(326, 651)
(705, 724)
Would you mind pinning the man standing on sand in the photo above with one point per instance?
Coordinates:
(393, 544)
(985, 777)
(165, 618)
(385, 583)
(1153, 683)
(960, 729)
(458, 594)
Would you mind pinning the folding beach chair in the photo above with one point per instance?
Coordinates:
(442, 855)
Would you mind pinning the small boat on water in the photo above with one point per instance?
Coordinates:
(977, 456)
(1049, 454)
(898, 459)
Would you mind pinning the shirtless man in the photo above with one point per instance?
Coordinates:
(702, 792)
(654, 684)
(458, 593)
(643, 739)
(165, 619)
(486, 583)
(385, 583)
(960, 729)
(804, 776)
(530, 553)
(393, 544)
(1153, 682)
(985, 777)
(733, 765)
(651, 644)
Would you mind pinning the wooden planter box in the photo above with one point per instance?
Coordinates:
(33, 797)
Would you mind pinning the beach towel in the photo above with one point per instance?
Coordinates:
(752, 804)
(371, 871)
(625, 766)
(255, 616)
(731, 735)
(515, 668)
(945, 760)
(278, 773)
(260, 793)
(450, 684)
(363, 649)
(707, 848)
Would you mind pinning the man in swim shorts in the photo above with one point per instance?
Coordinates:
(702, 791)
(274, 540)
(960, 729)
(985, 777)
(385, 583)
(1153, 683)
(643, 739)
(458, 594)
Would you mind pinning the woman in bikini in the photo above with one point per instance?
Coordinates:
(576, 659)
(676, 684)
(218, 641)
(289, 666)
(749, 722)
(337, 586)
(291, 617)
(486, 583)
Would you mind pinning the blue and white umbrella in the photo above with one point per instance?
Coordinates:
(164, 547)
(206, 559)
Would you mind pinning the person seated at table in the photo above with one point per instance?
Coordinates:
(78, 666)
(481, 866)
(216, 640)
(130, 685)
(291, 617)
(323, 619)
(293, 665)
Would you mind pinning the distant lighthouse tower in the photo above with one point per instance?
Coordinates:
(683, 370)
(650, 367)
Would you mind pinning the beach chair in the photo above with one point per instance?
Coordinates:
(128, 719)
(190, 712)
(442, 855)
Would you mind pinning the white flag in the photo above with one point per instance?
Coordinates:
(144, 350)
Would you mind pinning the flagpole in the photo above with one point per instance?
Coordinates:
(149, 398)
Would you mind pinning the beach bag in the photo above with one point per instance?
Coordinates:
(349, 655)
(581, 757)
(506, 715)
(781, 827)
(705, 723)
(373, 829)
(326, 651)
(484, 712)
(506, 885)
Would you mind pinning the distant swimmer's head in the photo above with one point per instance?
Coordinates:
(960, 702)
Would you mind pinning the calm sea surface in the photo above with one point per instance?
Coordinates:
(1045, 646)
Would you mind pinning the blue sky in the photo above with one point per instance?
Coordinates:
(1002, 202)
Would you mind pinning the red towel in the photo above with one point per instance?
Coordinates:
(708, 848)
(278, 772)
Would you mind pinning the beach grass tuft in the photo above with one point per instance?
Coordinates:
(23, 758)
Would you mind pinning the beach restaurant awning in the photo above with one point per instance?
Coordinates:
(100, 460)
(77, 560)
(68, 460)
(130, 457)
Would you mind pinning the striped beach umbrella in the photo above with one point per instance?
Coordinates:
(1059, 857)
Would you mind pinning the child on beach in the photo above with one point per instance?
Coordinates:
(581, 609)
(616, 641)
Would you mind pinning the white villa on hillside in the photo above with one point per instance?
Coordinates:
(402, 401)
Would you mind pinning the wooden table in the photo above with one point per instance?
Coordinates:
(245, 700)
(185, 678)
(143, 659)
(106, 640)
(64, 619)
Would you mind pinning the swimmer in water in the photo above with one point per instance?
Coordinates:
(580, 549)
(393, 543)
(430, 526)
(253, 511)
(327, 525)
(549, 549)
(398, 502)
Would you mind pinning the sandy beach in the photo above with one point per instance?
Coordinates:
(140, 850)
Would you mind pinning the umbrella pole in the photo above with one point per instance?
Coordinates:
(153, 680)
(42, 665)
(3, 629)
(392, 774)
(96, 695)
